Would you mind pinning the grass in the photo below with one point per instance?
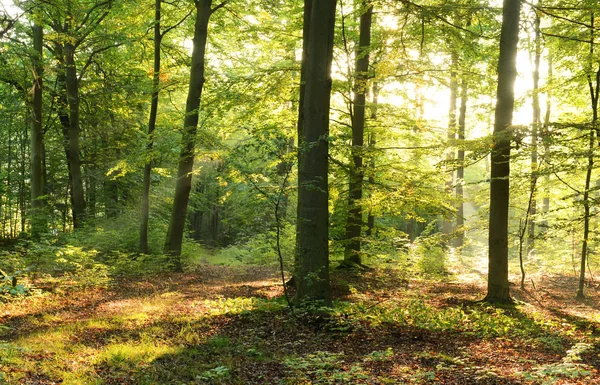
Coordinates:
(229, 325)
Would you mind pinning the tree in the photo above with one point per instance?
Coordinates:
(188, 134)
(312, 270)
(594, 88)
(354, 220)
(38, 217)
(498, 290)
(151, 127)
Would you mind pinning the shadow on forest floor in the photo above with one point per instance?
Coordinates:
(222, 325)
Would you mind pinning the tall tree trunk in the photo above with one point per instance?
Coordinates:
(72, 87)
(460, 171)
(594, 93)
(447, 226)
(498, 290)
(546, 127)
(38, 217)
(372, 143)
(151, 126)
(188, 137)
(355, 213)
(312, 282)
(535, 128)
(300, 127)
(24, 166)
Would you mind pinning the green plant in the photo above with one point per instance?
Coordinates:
(216, 374)
(9, 283)
(380, 355)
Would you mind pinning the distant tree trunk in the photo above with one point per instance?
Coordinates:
(545, 138)
(38, 217)
(151, 126)
(372, 143)
(188, 140)
(447, 225)
(312, 274)
(354, 220)
(24, 163)
(535, 128)
(594, 93)
(498, 290)
(460, 171)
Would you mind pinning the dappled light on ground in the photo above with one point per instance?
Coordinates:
(224, 325)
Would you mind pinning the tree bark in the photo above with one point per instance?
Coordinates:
(354, 220)
(545, 134)
(72, 88)
(188, 140)
(460, 171)
(594, 93)
(151, 126)
(447, 225)
(535, 128)
(38, 217)
(305, 33)
(372, 143)
(498, 290)
(312, 283)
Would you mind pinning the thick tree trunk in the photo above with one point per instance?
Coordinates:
(312, 283)
(38, 217)
(460, 171)
(354, 220)
(188, 140)
(498, 290)
(151, 126)
(302, 88)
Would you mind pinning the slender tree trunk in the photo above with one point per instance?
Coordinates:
(498, 290)
(25, 163)
(545, 138)
(312, 283)
(372, 143)
(38, 217)
(586, 207)
(447, 226)
(151, 126)
(72, 87)
(535, 128)
(9, 195)
(354, 220)
(594, 93)
(460, 170)
(188, 140)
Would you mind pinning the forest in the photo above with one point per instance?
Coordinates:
(299, 192)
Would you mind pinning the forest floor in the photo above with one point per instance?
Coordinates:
(226, 325)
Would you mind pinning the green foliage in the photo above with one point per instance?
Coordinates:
(481, 320)
(215, 375)
(380, 355)
(322, 367)
(261, 249)
(568, 368)
(9, 285)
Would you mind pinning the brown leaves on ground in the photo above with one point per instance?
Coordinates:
(214, 325)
